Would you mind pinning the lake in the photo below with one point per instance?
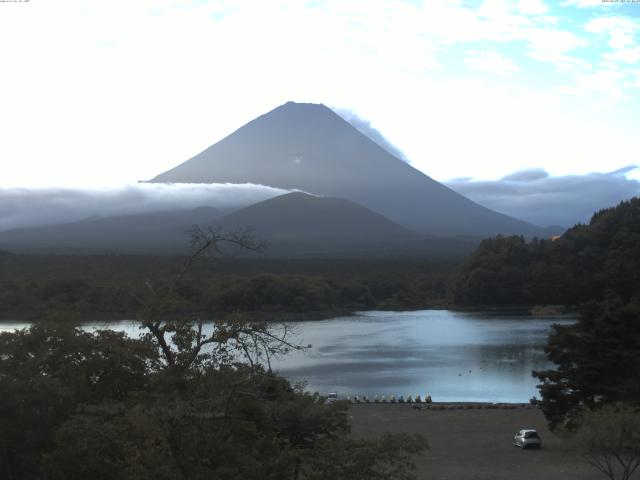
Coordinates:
(452, 356)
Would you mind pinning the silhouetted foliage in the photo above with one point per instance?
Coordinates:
(597, 362)
(586, 263)
(31, 286)
(186, 401)
(48, 371)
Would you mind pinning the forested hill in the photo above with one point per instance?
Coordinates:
(588, 262)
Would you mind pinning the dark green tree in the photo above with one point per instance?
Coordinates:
(588, 262)
(50, 369)
(597, 362)
(188, 400)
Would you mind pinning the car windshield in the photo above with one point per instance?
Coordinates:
(531, 435)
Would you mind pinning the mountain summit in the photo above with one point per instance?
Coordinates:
(309, 147)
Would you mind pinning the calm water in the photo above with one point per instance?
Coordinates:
(450, 355)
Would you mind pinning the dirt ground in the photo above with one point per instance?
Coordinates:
(475, 444)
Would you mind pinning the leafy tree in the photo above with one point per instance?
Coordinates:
(186, 401)
(33, 285)
(50, 369)
(597, 361)
(588, 262)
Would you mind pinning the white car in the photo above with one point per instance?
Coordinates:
(330, 398)
(527, 439)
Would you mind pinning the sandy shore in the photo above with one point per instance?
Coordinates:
(475, 444)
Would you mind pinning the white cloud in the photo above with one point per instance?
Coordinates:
(557, 41)
(561, 61)
(540, 198)
(365, 127)
(112, 92)
(634, 80)
(552, 46)
(490, 61)
(483, 130)
(624, 55)
(532, 7)
(620, 30)
(607, 83)
(20, 207)
(583, 3)
(613, 80)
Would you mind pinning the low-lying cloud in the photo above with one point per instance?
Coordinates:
(532, 195)
(364, 127)
(535, 196)
(21, 207)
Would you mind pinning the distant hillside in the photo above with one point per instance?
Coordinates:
(298, 217)
(158, 232)
(309, 147)
(302, 225)
(588, 262)
(294, 225)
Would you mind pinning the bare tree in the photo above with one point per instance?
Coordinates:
(188, 344)
(609, 439)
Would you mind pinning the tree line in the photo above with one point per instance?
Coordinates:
(588, 262)
(592, 390)
(88, 286)
(177, 403)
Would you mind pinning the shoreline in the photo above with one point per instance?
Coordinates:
(453, 405)
(260, 316)
(306, 316)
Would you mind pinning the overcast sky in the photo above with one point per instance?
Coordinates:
(105, 93)
(537, 197)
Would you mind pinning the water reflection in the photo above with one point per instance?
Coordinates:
(450, 355)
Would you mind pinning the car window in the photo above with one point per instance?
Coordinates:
(531, 435)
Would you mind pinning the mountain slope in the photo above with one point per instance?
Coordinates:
(302, 225)
(293, 225)
(158, 232)
(309, 147)
(306, 217)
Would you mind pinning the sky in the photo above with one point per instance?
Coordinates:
(97, 94)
